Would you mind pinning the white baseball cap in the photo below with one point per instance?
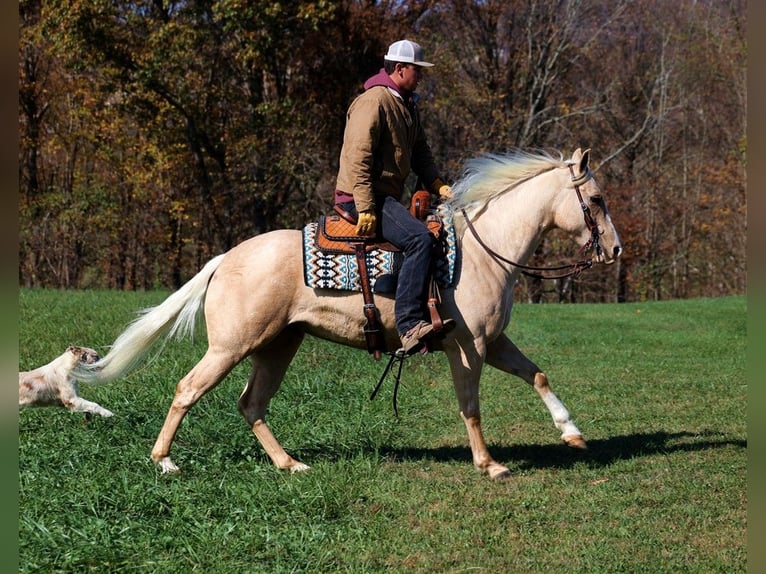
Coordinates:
(406, 52)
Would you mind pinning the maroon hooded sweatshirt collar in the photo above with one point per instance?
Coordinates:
(383, 79)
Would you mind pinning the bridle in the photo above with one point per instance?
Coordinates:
(572, 269)
(589, 221)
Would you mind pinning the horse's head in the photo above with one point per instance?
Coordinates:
(583, 210)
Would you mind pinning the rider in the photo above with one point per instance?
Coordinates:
(382, 142)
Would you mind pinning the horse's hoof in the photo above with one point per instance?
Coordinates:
(167, 466)
(299, 467)
(575, 441)
(499, 473)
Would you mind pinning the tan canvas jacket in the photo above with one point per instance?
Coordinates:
(383, 142)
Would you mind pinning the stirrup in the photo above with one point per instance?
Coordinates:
(446, 326)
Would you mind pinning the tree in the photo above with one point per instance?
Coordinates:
(156, 134)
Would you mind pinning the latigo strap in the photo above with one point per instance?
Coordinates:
(373, 332)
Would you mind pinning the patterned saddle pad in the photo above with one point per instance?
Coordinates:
(329, 270)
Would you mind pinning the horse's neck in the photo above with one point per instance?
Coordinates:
(512, 225)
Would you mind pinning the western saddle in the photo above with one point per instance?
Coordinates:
(336, 233)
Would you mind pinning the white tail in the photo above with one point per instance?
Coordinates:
(174, 317)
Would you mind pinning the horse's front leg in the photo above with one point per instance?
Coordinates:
(466, 364)
(504, 355)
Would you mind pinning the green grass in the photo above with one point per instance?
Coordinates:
(658, 389)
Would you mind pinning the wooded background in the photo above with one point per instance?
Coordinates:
(156, 134)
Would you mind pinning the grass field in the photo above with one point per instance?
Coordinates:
(658, 389)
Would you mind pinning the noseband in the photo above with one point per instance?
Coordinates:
(572, 269)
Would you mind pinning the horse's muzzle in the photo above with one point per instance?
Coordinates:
(608, 258)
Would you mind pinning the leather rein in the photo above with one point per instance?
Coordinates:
(572, 269)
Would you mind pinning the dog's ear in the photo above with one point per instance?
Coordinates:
(71, 349)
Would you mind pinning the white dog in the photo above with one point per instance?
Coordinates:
(54, 385)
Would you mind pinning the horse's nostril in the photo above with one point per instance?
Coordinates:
(617, 251)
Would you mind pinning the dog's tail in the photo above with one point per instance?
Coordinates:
(175, 316)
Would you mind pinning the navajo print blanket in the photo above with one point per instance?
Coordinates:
(340, 271)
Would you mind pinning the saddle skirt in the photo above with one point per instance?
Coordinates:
(329, 261)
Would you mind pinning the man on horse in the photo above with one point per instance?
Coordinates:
(383, 141)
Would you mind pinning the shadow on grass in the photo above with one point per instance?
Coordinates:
(600, 452)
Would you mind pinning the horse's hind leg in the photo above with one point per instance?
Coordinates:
(504, 355)
(206, 374)
(270, 364)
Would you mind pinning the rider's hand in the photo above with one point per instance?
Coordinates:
(365, 224)
(443, 190)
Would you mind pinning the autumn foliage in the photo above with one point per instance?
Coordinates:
(155, 134)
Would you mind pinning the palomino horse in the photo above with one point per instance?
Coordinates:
(256, 304)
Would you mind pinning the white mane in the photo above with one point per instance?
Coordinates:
(489, 175)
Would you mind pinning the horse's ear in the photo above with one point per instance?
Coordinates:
(584, 160)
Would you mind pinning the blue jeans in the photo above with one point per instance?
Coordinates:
(397, 226)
